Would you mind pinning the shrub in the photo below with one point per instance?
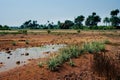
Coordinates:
(53, 64)
(107, 41)
(22, 31)
(73, 51)
(64, 55)
(27, 42)
(14, 43)
(93, 47)
(78, 31)
(40, 64)
(48, 31)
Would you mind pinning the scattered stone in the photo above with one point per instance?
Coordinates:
(26, 54)
(8, 57)
(46, 52)
(8, 51)
(22, 54)
(18, 62)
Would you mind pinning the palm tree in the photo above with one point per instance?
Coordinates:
(106, 20)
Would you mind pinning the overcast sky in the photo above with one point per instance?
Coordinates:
(16, 12)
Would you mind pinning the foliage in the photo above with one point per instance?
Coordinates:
(106, 20)
(93, 47)
(73, 51)
(5, 27)
(78, 21)
(27, 42)
(40, 64)
(66, 25)
(22, 31)
(30, 24)
(92, 20)
(107, 41)
(14, 43)
(115, 20)
(64, 55)
(53, 64)
(48, 31)
(78, 31)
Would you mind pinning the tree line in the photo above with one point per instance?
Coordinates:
(91, 22)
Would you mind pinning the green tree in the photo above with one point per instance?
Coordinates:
(114, 12)
(106, 20)
(115, 20)
(30, 24)
(92, 20)
(78, 21)
(67, 24)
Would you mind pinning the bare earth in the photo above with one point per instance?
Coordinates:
(83, 64)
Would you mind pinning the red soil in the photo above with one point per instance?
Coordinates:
(83, 64)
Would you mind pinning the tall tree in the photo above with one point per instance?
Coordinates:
(114, 12)
(92, 20)
(79, 20)
(115, 20)
(106, 20)
(30, 24)
(67, 24)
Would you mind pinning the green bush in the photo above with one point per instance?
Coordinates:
(78, 31)
(14, 43)
(64, 55)
(27, 42)
(53, 64)
(22, 31)
(93, 47)
(73, 51)
(107, 41)
(40, 64)
(48, 31)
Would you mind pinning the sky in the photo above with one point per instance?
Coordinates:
(16, 12)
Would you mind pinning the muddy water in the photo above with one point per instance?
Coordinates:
(20, 56)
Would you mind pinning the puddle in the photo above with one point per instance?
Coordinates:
(21, 56)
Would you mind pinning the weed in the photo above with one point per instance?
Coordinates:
(40, 64)
(27, 42)
(14, 43)
(71, 63)
(65, 55)
(53, 64)
(48, 31)
(22, 31)
(93, 47)
(107, 41)
(78, 31)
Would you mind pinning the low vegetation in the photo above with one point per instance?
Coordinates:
(73, 51)
(40, 64)
(14, 43)
(93, 47)
(27, 42)
(48, 31)
(22, 31)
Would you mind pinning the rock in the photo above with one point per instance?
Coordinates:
(18, 62)
(26, 54)
(8, 57)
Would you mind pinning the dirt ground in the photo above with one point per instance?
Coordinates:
(83, 64)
